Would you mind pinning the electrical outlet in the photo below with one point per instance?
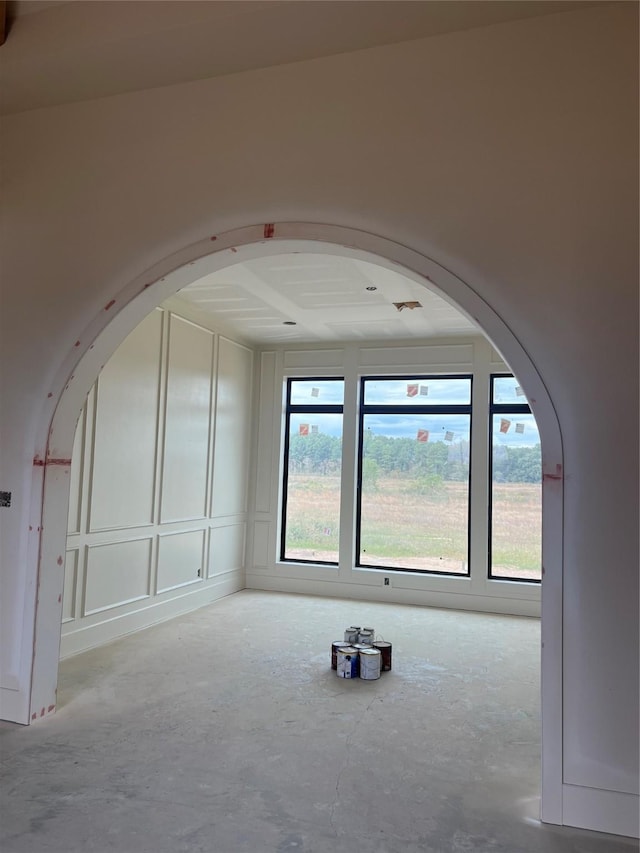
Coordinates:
(386, 582)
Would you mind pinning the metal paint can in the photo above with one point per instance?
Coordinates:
(366, 635)
(370, 660)
(360, 646)
(385, 651)
(348, 662)
(334, 652)
(351, 634)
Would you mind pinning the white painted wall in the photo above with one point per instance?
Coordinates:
(265, 570)
(508, 154)
(157, 511)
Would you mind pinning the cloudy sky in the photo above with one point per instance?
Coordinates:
(520, 429)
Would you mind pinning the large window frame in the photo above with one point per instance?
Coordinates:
(302, 409)
(478, 570)
(402, 409)
(503, 409)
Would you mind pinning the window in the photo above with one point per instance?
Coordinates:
(409, 488)
(413, 495)
(516, 485)
(312, 465)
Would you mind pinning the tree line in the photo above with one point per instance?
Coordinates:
(383, 455)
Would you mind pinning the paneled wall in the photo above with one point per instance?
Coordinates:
(264, 569)
(158, 508)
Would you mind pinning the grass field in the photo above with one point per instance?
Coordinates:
(517, 530)
(407, 524)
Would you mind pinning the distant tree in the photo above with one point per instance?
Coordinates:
(517, 464)
(370, 473)
(316, 453)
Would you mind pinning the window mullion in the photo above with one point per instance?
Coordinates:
(350, 430)
(479, 486)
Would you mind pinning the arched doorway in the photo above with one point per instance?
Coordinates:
(129, 307)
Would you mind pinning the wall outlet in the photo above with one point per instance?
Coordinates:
(387, 582)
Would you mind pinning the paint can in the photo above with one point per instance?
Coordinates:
(348, 660)
(385, 651)
(334, 652)
(360, 646)
(351, 634)
(366, 635)
(370, 661)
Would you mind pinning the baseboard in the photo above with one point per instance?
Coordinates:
(395, 595)
(114, 627)
(612, 812)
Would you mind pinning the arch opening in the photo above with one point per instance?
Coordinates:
(175, 273)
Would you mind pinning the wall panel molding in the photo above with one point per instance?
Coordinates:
(180, 560)
(261, 536)
(187, 421)
(233, 415)
(267, 405)
(70, 586)
(434, 355)
(313, 358)
(158, 395)
(227, 549)
(125, 431)
(116, 573)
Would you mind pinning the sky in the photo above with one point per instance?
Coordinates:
(521, 430)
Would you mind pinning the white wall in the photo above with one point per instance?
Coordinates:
(507, 153)
(158, 502)
(265, 570)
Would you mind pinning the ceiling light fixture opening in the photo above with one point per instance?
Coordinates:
(411, 305)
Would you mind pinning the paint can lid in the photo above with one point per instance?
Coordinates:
(370, 651)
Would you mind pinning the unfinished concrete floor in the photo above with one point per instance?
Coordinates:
(225, 731)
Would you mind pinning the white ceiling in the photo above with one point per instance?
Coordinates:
(326, 296)
(61, 52)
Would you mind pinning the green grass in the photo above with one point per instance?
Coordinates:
(415, 524)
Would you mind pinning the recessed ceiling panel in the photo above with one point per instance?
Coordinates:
(322, 297)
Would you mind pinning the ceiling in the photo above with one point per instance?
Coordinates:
(325, 296)
(62, 52)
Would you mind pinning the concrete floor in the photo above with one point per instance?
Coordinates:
(225, 731)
